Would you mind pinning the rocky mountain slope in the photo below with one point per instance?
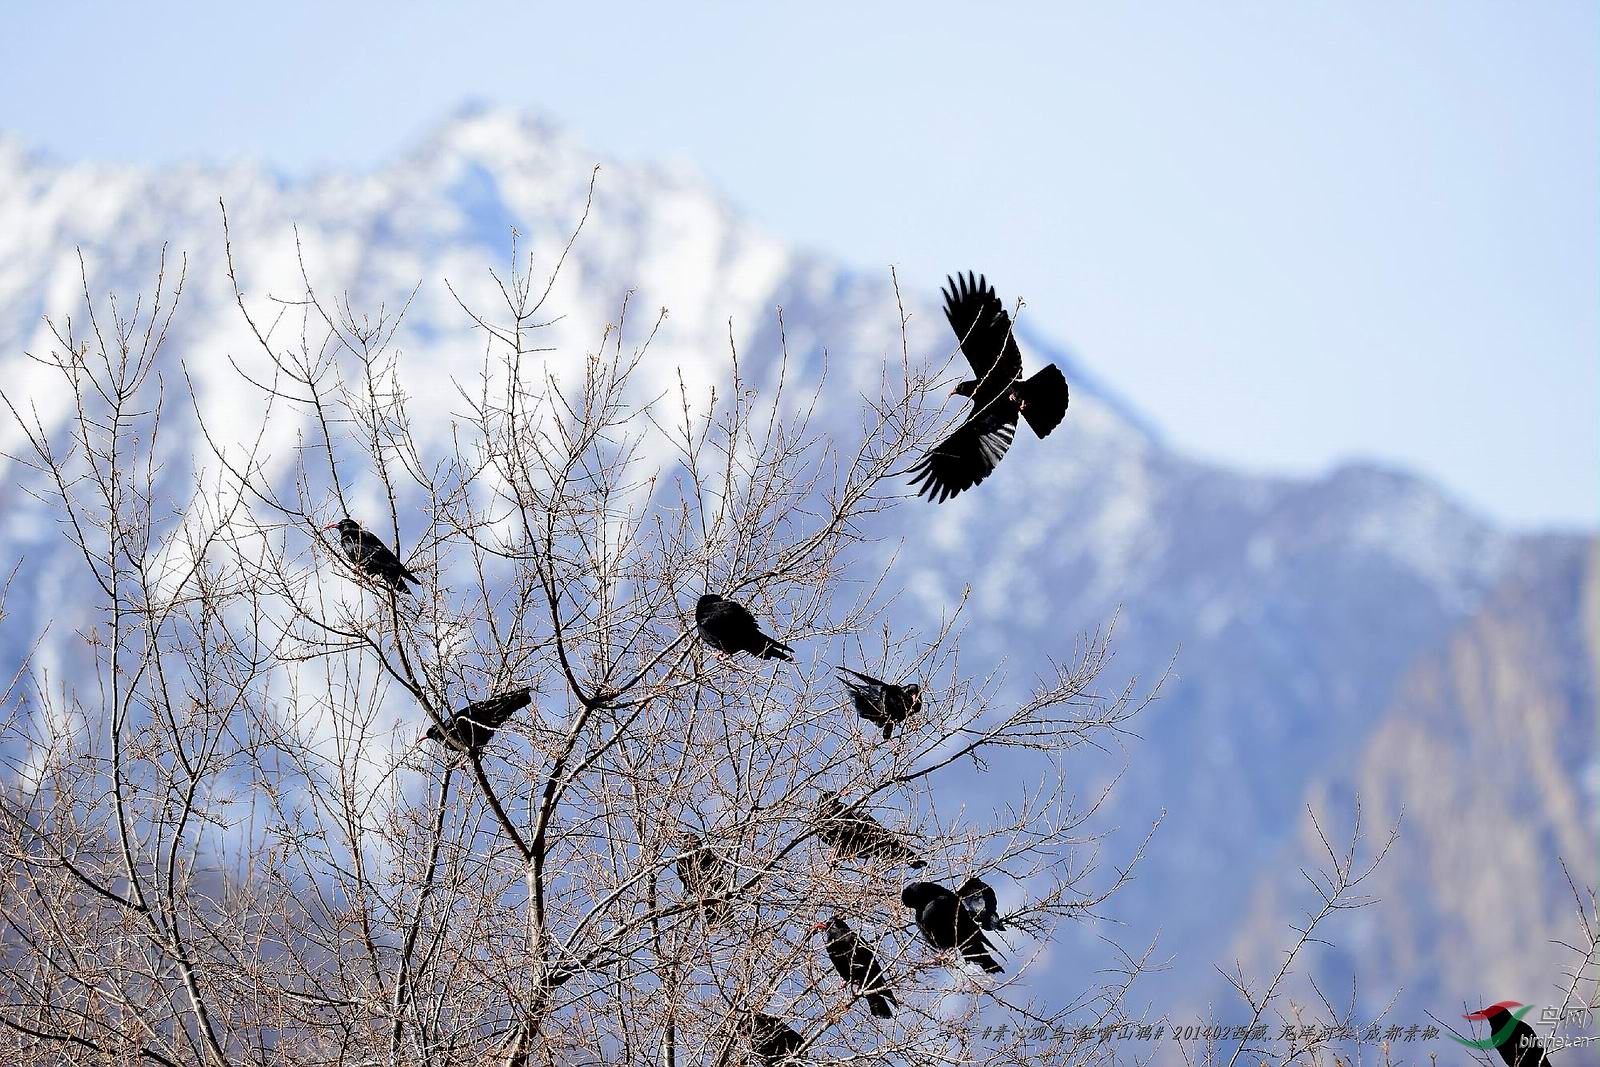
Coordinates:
(1486, 757)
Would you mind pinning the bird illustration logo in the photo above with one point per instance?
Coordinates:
(1498, 1037)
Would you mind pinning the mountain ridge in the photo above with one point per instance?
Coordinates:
(1300, 604)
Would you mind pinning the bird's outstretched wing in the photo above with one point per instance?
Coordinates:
(983, 327)
(968, 456)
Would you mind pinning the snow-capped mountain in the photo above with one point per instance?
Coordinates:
(1302, 608)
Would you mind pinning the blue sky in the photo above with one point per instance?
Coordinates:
(1292, 235)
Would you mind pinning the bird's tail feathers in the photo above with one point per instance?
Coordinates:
(777, 650)
(1043, 399)
(881, 1004)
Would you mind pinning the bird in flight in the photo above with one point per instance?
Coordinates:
(881, 703)
(854, 834)
(999, 394)
(473, 725)
(858, 965)
(947, 925)
(727, 627)
(371, 556)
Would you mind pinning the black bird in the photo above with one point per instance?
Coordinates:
(881, 703)
(858, 965)
(704, 874)
(371, 556)
(855, 834)
(473, 725)
(726, 626)
(1520, 1048)
(977, 896)
(947, 925)
(773, 1040)
(999, 394)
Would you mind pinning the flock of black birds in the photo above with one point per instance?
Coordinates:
(950, 921)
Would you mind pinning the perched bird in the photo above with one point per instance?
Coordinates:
(977, 896)
(704, 874)
(881, 703)
(726, 626)
(999, 394)
(858, 965)
(473, 725)
(1518, 1042)
(371, 556)
(855, 834)
(947, 925)
(773, 1040)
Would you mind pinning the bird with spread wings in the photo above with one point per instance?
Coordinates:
(999, 394)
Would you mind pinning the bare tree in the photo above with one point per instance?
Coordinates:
(1292, 1019)
(228, 840)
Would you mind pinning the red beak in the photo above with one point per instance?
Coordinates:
(819, 927)
(331, 526)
